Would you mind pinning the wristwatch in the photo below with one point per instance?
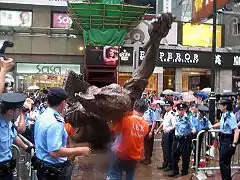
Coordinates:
(234, 144)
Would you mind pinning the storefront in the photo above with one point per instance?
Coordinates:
(42, 75)
(186, 69)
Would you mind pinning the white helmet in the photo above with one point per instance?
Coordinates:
(9, 82)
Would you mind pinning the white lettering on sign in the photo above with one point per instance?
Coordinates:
(124, 55)
(218, 59)
(64, 20)
(236, 61)
(175, 57)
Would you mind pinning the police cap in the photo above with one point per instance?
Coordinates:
(13, 100)
(225, 101)
(203, 108)
(168, 103)
(181, 106)
(58, 92)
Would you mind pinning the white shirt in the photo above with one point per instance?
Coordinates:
(169, 120)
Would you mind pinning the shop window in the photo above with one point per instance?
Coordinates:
(236, 27)
(169, 78)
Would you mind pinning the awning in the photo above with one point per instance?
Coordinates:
(104, 24)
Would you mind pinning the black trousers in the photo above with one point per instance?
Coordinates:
(226, 151)
(148, 145)
(167, 142)
(181, 148)
(6, 175)
(43, 174)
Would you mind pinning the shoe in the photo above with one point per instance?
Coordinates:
(172, 174)
(167, 169)
(184, 174)
(146, 162)
(161, 167)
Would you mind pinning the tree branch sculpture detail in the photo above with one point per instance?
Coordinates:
(92, 107)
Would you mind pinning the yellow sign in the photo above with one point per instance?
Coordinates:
(198, 4)
(200, 35)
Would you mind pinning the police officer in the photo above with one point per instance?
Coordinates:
(11, 107)
(229, 135)
(200, 122)
(182, 142)
(150, 117)
(51, 138)
(168, 126)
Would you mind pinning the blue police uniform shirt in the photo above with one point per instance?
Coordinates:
(183, 126)
(8, 134)
(200, 124)
(50, 135)
(150, 116)
(41, 109)
(228, 123)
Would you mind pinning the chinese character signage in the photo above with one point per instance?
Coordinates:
(200, 35)
(202, 9)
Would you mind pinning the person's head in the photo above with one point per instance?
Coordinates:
(181, 109)
(110, 52)
(194, 108)
(140, 106)
(25, 17)
(9, 83)
(57, 98)
(11, 105)
(225, 105)
(37, 102)
(168, 105)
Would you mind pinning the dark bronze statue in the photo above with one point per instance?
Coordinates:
(92, 107)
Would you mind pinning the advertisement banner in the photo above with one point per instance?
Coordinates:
(61, 20)
(16, 18)
(200, 35)
(102, 55)
(202, 9)
(140, 33)
(27, 68)
(40, 2)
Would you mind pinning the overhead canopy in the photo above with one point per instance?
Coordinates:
(104, 24)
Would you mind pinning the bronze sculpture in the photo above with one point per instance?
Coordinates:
(92, 107)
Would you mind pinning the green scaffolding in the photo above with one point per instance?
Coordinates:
(105, 24)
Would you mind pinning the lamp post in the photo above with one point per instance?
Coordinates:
(212, 98)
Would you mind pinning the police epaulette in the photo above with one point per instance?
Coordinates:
(58, 118)
(187, 118)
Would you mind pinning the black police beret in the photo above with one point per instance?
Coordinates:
(203, 108)
(13, 100)
(168, 103)
(181, 106)
(58, 92)
(225, 101)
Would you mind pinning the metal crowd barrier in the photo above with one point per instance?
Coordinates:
(24, 170)
(210, 157)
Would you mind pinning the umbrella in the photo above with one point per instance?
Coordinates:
(229, 94)
(189, 98)
(177, 94)
(34, 87)
(203, 108)
(161, 102)
(168, 92)
(206, 90)
(201, 95)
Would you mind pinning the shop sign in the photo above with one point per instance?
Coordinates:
(61, 20)
(200, 35)
(24, 68)
(41, 2)
(202, 9)
(16, 18)
(126, 55)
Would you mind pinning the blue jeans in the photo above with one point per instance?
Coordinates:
(120, 165)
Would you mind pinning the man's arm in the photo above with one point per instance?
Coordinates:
(18, 141)
(5, 67)
(21, 124)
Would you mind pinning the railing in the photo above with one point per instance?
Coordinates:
(203, 140)
(24, 170)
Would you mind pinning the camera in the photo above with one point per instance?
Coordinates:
(4, 44)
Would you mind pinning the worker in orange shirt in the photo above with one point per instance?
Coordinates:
(132, 129)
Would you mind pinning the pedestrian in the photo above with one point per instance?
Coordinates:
(200, 122)
(150, 117)
(50, 137)
(11, 107)
(181, 142)
(132, 129)
(168, 126)
(229, 136)
(6, 65)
